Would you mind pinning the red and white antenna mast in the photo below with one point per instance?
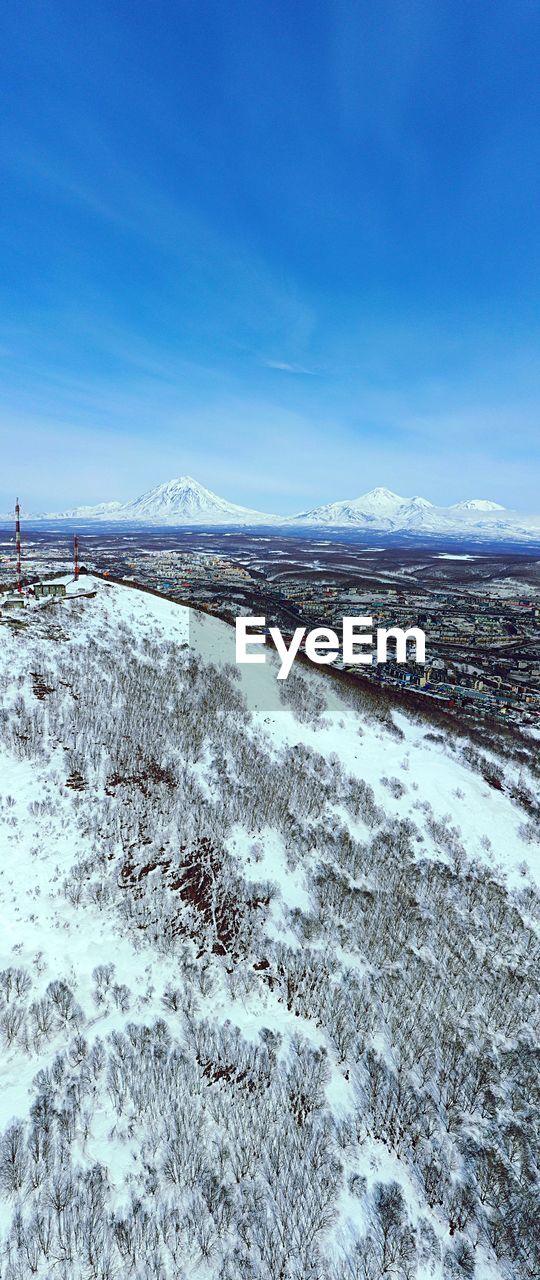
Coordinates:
(18, 543)
(76, 569)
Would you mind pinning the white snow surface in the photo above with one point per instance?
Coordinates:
(43, 835)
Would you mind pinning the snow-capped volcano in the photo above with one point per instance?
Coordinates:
(378, 501)
(179, 501)
(379, 509)
(477, 504)
(187, 501)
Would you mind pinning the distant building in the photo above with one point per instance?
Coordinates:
(12, 602)
(42, 589)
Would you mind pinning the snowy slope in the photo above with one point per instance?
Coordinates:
(268, 957)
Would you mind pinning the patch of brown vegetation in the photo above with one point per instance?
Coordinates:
(197, 881)
(76, 782)
(148, 774)
(39, 688)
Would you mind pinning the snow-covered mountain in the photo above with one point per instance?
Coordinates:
(176, 502)
(101, 511)
(268, 968)
(188, 502)
(383, 511)
(477, 504)
(379, 509)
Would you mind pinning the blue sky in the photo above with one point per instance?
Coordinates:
(289, 248)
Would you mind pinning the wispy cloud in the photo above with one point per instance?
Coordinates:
(283, 366)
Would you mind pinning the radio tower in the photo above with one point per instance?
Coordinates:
(18, 544)
(76, 557)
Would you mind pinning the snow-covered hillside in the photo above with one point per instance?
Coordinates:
(269, 968)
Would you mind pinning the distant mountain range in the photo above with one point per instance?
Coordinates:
(186, 502)
(387, 512)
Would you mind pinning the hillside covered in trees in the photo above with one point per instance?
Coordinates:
(269, 961)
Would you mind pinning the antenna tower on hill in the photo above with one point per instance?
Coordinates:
(18, 543)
